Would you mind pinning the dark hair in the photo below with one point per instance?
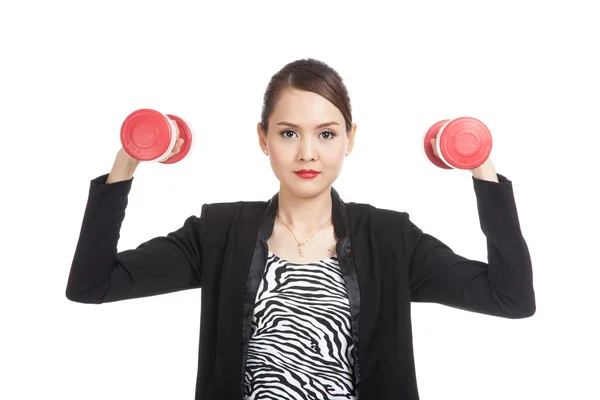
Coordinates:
(309, 75)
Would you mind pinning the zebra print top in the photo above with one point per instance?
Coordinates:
(301, 344)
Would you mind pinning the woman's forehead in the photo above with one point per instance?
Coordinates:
(305, 108)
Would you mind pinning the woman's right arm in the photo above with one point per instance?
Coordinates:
(100, 274)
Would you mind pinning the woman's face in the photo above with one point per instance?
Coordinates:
(306, 132)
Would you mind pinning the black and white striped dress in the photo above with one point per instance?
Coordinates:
(301, 344)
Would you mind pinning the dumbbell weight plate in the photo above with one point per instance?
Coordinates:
(148, 135)
(464, 143)
(429, 153)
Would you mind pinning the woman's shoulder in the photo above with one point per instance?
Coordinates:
(372, 211)
(230, 208)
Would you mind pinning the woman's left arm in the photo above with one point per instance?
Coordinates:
(501, 287)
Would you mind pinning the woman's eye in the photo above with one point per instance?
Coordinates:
(329, 134)
(286, 133)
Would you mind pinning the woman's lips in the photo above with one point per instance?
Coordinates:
(307, 173)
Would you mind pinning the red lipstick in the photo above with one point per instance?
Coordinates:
(307, 173)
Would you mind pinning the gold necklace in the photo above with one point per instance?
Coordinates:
(296, 239)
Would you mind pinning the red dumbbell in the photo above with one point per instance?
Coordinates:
(462, 143)
(149, 135)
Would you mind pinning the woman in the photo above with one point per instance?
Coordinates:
(304, 296)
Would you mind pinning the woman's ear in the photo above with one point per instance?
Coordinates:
(351, 136)
(262, 139)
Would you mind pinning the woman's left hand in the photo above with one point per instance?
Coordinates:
(485, 171)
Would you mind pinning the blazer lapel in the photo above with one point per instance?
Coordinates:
(348, 268)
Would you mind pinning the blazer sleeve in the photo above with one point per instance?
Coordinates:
(501, 287)
(100, 274)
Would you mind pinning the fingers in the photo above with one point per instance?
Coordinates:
(176, 129)
(176, 149)
(178, 145)
(433, 144)
(178, 141)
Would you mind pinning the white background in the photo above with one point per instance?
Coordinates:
(71, 71)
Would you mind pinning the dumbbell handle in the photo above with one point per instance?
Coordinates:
(176, 136)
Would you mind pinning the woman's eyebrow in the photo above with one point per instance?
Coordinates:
(298, 127)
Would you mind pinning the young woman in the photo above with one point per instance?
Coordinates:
(304, 296)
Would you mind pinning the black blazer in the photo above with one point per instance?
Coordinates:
(387, 262)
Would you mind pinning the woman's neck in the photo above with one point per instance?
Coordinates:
(304, 214)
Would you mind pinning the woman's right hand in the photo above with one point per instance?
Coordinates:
(125, 165)
(176, 147)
